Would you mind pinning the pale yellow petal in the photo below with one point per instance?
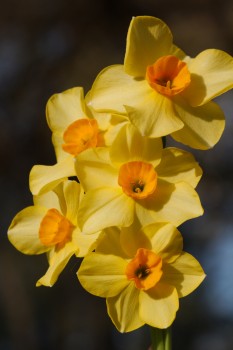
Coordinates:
(113, 89)
(176, 51)
(165, 239)
(130, 145)
(179, 165)
(132, 238)
(174, 203)
(123, 309)
(110, 243)
(103, 275)
(158, 305)
(105, 207)
(58, 260)
(94, 169)
(72, 191)
(185, 273)
(48, 200)
(211, 75)
(59, 190)
(85, 243)
(44, 178)
(23, 232)
(57, 141)
(148, 38)
(203, 125)
(64, 108)
(109, 125)
(153, 114)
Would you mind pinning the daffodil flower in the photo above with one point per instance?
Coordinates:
(142, 274)
(163, 90)
(74, 128)
(139, 179)
(51, 226)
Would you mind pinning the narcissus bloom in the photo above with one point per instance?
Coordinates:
(142, 274)
(164, 91)
(74, 128)
(51, 226)
(137, 179)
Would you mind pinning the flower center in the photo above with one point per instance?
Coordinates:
(80, 135)
(55, 229)
(137, 179)
(168, 75)
(145, 269)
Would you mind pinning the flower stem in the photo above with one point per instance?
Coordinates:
(161, 339)
(168, 338)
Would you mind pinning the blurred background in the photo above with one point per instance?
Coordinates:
(47, 47)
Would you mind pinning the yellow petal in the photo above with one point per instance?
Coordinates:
(130, 145)
(94, 169)
(148, 38)
(185, 273)
(85, 243)
(203, 126)
(57, 262)
(109, 124)
(158, 305)
(57, 140)
(165, 239)
(132, 238)
(212, 75)
(72, 191)
(176, 51)
(64, 108)
(103, 275)
(113, 88)
(123, 309)
(153, 114)
(105, 207)
(174, 203)
(23, 232)
(178, 165)
(48, 200)
(110, 243)
(44, 178)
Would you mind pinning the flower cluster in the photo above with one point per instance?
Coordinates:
(117, 194)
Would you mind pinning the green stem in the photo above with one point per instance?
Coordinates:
(161, 339)
(168, 339)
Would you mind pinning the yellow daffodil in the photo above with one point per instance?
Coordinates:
(51, 226)
(142, 274)
(137, 179)
(164, 91)
(75, 127)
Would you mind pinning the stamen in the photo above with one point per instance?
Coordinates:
(138, 187)
(142, 272)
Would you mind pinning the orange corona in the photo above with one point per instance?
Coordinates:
(168, 75)
(80, 135)
(145, 269)
(137, 179)
(55, 229)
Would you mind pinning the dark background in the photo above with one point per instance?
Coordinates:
(47, 47)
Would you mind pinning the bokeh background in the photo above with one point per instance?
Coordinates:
(47, 47)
